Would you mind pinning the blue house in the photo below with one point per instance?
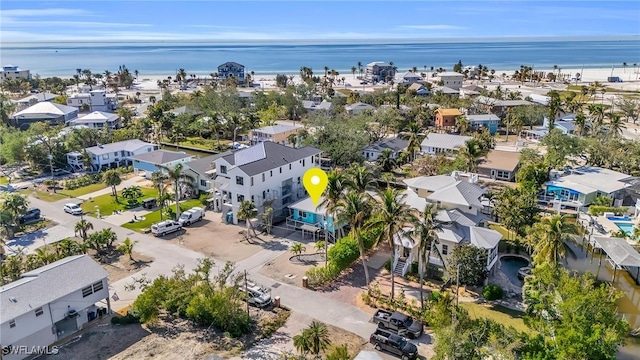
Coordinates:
(305, 216)
(489, 121)
(155, 160)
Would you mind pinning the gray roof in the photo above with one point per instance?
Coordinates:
(459, 193)
(497, 102)
(185, 110)
(450, 73)
(483, 117)
(618, 250)
(266, 156)
(127, 145)
(46, 107)
(395, 144)
(202, 165)
(570, 126)
(96, 116)
(445, 90)
(47, 284)
(44, 96)
(231, 63)
(445, 141)
(430, 183)
(591, 179)
(160, 157)
(462, 228)
(277, 129)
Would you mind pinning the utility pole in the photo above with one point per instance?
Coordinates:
(50, 156)
(246, 290)
(457, 286)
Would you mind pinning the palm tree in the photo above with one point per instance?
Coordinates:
(386, 161)
(616, 124)
(581, 123)
(462, 124)
(246, 212)
(392, 214)
(360, 68)
(179, 179)
(112, 178)
(314, 339)
(297, 249)
(127, 247)
(15, 205)
(355, 209)
(550, 239)
(624, 67)
(360, 178)
(159, 180)
(336, 185)
(132, 192)
(413, 133)
(470, 153)
(596, 112)
(426, 229)
(353, 71)
(82, 227)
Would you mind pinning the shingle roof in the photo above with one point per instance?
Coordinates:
(460, 193)
(395, 144)
(444, 141)
(266, 156)
(501, 160)
(46, 107)
(416, 87)
(127, 145)
(202, 165)
(48, 283)
(483, 117)
(160, 157)
(449, 112)
(277, 129)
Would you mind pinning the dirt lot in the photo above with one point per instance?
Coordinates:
(289, 269)
(170, 338)
(119, 266)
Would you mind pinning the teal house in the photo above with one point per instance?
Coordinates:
(303, 215)
(489, 121)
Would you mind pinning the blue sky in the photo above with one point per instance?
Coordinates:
(117, 20)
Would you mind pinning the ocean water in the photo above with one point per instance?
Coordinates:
(61, 59)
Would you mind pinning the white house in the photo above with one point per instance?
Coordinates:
(277, 133)
(51, 303)
(358, 108)
(396, 145)
(436, 143)
(450, 79)
(462, 204)
(12, 72)
(109, 156)
(264, 172)
(34, 99)
(411, 78)
(97, 100)
(203, 171)
(312, 106)
(97, 120)
(43, 111)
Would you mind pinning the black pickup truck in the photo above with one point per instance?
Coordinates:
(399, 322)
(395, 344)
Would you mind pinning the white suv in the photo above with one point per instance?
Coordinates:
(73, 209)
(165, 227)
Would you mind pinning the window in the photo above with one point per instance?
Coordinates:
(271, 173)
(264, 195)
(105, 157)
(39, 311)
(240, 198)
(280, 169)
(298, 180)
(445, 249)
(303, 214)
(223, 169)
(203, 182)
(98, 286)
(239, 180)
(263, 177)
(252, 181)
(12, 323)
(115, 154)
(303, 162)
(87, 291)
(289, 166)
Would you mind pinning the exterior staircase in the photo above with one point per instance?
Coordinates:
(399, 266)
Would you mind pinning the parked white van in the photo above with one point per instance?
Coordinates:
(191, 216)
(165, 227)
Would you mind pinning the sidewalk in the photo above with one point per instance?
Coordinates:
(134, 181)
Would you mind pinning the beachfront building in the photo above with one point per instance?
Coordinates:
(94, 100)
(450, 79)
(396, 145)
(576, 188)
(358, 108)
(52, 113)
(480, 121)
(12, 72)
(150, 162)
(446, 118)
(51, 303)
(277, 133)
(463, 208)
(232, 69)
(108, 156)
(500, 165)
(263, 173)
(379, 71)
(97, 120)
(435, 143)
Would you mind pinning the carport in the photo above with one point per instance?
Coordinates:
(621, 255)
(310, 228)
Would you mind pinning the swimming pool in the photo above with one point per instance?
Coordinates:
(619, 218)
(511, 265)
(626, 227)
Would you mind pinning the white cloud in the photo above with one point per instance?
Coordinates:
(43, 12)
(432, 27)
(13, 23)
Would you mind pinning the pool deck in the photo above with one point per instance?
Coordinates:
(607, 226)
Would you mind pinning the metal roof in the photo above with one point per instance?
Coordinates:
(444, 141)
(127, 145)
(46, 107)
(483, 117)
(590, 179)
(96, 116)
(395, 144)
(430, 183)
(268, 155)
(47, 284)
(618, 250)
(277, 129)
(460, 193)
(160, 157)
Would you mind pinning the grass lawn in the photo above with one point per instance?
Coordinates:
(4, 180)
(506, 234)
(84, 190)
(154, 217)
(43, 195)
(107, 205)
(499, 314)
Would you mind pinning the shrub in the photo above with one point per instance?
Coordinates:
(344, 252)
(81, 181)
(492, 292)
(599, 210)
(414, 267)
(387, 265)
